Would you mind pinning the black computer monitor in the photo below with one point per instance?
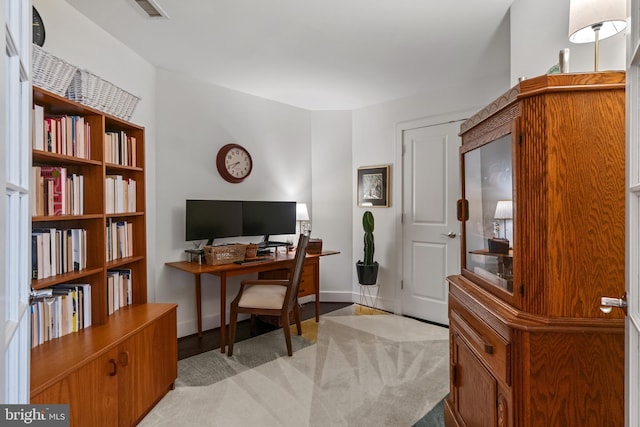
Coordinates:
(212, 219)
(267, 218)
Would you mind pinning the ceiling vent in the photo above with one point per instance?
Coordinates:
(150, 9)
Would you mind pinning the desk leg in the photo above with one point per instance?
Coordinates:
(199, 304)
(223, 312)
(317, 286)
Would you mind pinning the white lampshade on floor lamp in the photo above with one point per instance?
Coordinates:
(595, 20)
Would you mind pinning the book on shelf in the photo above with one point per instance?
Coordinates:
(67, 135)
(42, 241)
(56, 193)
(37, 256)
(37, 194)
(119, 239)
(120, 194)
(119, 289)
(57, 251)
(65, 309)
(38, 136)
(120, 148)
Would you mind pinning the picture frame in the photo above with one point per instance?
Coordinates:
(373, 186)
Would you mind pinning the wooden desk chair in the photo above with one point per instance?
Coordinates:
(271, 298)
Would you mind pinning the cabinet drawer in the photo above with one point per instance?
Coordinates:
(491, 348)
(306, 282)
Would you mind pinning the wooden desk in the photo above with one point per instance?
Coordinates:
(281, 261)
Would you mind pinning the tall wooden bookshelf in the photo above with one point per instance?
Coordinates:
(114, 371)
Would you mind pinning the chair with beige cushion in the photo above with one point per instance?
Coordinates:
(271, 298)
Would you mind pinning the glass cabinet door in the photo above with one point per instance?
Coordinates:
(489, 227)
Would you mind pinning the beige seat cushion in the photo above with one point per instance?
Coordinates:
(263, 296)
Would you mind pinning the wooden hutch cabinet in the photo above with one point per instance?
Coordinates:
(529, 343)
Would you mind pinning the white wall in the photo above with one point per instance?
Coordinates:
(332, 200)
(77, 40)
(195, 119)
(375, 142)
(376, 130)
(540, 28)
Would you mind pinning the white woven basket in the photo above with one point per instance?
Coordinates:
(95, 92)
(50, 72)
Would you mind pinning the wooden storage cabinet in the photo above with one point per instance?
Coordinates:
(118, 377)
(529, 344)
(91, 392)
(113, 372)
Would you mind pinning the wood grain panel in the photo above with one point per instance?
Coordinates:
(473, 383)
(91, 392)
(575, 377)
(148, 368)
(573, 212)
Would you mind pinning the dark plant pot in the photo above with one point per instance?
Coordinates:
(367, 274)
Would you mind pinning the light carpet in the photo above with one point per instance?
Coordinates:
(362, 371)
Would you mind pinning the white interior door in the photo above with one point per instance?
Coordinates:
(431, 242)
(632, 325)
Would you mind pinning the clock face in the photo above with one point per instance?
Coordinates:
(38, 28)
(234, 163)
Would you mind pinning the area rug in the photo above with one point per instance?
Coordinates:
(362, 371)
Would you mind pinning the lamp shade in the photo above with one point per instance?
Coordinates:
(302, 214)
(584, 14)
(504, 210)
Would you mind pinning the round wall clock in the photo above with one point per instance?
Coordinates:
(234, 163)
(38, 28)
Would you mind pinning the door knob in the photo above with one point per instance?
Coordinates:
(607, 304)
(451, 234)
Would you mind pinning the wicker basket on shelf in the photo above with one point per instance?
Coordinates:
(50, 72)
(224, 254)
(93, 91)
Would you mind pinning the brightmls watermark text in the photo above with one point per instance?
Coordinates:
(34, 415)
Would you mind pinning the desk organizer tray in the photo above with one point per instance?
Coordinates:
(224, 254)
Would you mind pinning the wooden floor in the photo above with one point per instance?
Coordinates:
(191, 345)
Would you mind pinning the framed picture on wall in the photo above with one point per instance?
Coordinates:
(373, 186)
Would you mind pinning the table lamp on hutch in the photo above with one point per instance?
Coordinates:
(504, 211)
(595, 20)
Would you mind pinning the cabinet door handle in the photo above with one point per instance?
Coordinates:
(462, 210)
(114, 366)
(471, 333)
(607, 303)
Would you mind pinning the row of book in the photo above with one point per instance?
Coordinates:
(119, 239)
(119, 289)
(57, 192)
(120, 194)
(120, 149)
(67, 135)
(66, 308)
(59, 310)
(55, 251)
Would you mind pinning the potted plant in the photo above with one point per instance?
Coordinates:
(368, 269)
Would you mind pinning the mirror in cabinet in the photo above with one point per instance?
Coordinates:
(488, 220)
